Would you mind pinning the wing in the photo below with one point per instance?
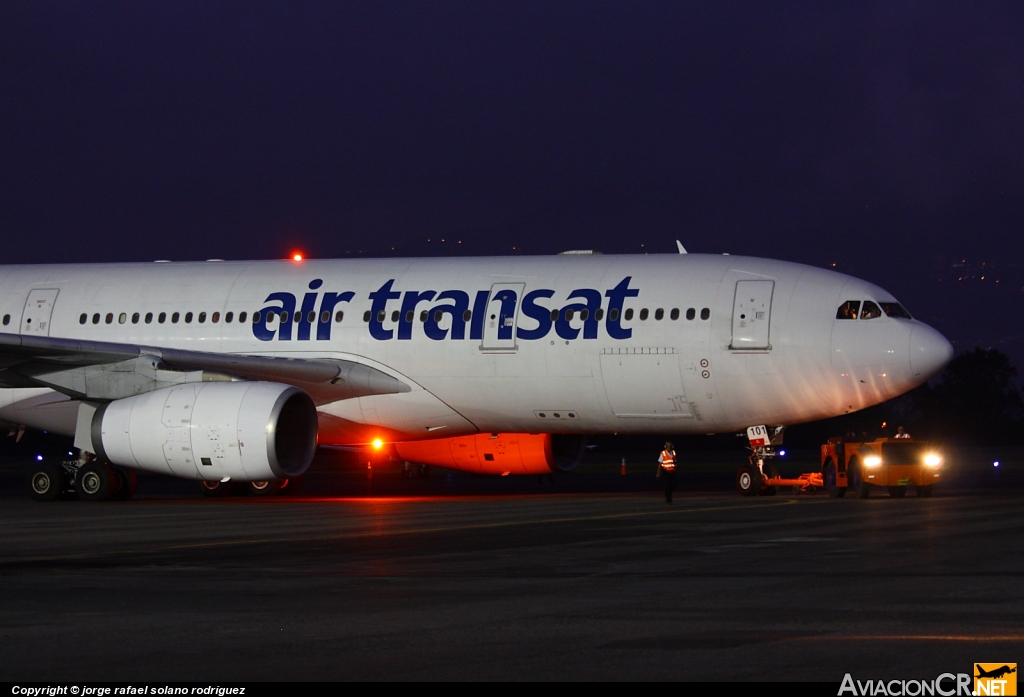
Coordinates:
(105, 371)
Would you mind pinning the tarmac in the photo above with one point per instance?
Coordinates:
(578, 583)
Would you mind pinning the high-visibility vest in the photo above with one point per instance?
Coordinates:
(668, 460)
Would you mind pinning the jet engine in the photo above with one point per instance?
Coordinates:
(248, 431)
(498, 453)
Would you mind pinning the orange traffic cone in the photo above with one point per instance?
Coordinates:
(622, 471)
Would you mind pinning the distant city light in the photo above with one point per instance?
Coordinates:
(39, 458)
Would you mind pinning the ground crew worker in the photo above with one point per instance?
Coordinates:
(900, 433)
(667, 470)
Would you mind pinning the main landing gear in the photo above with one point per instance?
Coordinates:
(88, 480)
(283, 487)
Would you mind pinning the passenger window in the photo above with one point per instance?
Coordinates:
(283, 315)
(554, 315)
(394, 316)
(409, 316)
(7, 320)
(229, 318)
(848, 310)
(122, 318)
(215, 318)
(256, 317)
(297, 317)
(584, 314)
(643, 314)
(705, 313)
(241, 317)
(690, 313)
(135, 318)
(569, 314)
(110, 318)
(82, 318)
(188, 318)
(599, 314)
(895, 310)
(311, 317)
(149, 318)
(96, 318)
(338, 316)
(162, 318)
(325, 317)
(366, 316)
(675, 314)
(870, 310)
(613, 314)
(175, 317)
(202, 318)
(381, 316)
(628, 314)
(659, 314)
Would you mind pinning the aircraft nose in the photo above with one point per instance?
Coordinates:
(929, 352)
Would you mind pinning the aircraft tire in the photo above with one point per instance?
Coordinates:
(262, 488)
(831, 477)
(129, 483)
(924, 492)
(748, 480)
(215, 489)
(897, 492)
(290, 486)
(45, 482)
(96, 481)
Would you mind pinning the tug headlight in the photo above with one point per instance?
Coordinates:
(872, 461)
(932, 460)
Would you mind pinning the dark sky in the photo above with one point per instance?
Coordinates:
(886, 138)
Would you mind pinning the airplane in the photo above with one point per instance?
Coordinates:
(995, 673)
(227, 372)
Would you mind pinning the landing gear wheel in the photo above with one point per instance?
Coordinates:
(924, 492)
(291, 486)
(129, 483)
(215, 488)
(45, 482)
(831, 477)
(263, 488)
(96, 482)
(897, 492)
(748, 480)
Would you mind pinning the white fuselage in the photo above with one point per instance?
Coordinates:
(670, 343)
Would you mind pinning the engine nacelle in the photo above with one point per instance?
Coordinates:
(248, 431)
(502, 453)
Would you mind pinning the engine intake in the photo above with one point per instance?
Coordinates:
(248, 431)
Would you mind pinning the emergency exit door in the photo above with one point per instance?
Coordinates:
(751, 315)
(38, 308)
(502, 317)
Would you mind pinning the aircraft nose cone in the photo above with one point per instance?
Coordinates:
(929, 352)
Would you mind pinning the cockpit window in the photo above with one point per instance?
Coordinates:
(848, 310)
(870, 310)
(895, 310)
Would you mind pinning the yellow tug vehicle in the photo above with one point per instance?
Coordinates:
(893, 463)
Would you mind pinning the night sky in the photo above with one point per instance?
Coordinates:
(885, 138)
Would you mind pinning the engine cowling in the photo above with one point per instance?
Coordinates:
(501, 453)
(248, 431)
